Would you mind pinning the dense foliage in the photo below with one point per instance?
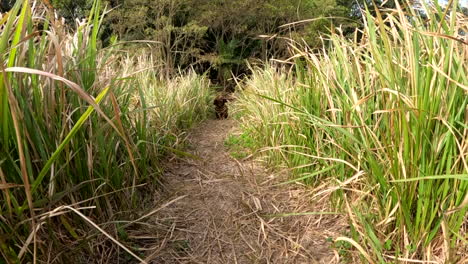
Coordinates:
(217, 35)
(220, 36)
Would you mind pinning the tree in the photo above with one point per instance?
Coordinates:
(72, 9)
(235, 28)
(216, 34)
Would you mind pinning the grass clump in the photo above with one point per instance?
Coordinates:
(81, 129)
(384, 119)
(240, 144)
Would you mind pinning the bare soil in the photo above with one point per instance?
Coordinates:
(216, 209)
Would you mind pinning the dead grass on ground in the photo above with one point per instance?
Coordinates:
(217, 209)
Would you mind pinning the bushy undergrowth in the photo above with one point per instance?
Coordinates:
(384, 121)
(81, 129)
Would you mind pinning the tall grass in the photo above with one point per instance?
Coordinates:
(384, 120)
(81, 128)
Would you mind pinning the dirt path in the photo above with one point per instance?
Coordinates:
(216, 210)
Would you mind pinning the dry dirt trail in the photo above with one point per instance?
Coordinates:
(216, 209)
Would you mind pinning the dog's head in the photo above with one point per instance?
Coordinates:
(220, 101)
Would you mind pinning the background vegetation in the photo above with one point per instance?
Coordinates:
(219, 36)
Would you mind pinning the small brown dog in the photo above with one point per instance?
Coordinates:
(221, 108)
